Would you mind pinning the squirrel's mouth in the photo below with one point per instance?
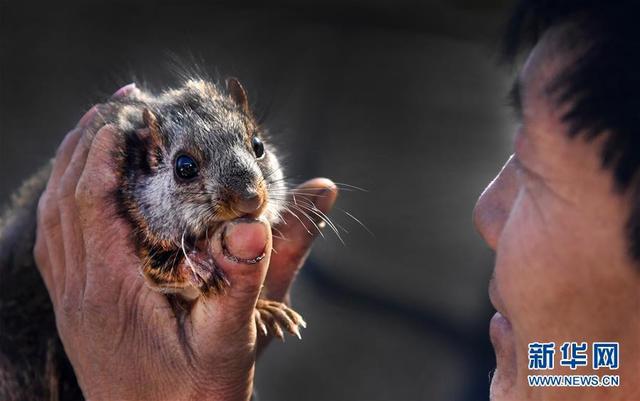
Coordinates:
(194, 272)
(200, 249)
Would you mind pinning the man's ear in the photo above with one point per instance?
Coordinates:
(238, 94)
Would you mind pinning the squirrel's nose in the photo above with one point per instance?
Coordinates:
(248, 202)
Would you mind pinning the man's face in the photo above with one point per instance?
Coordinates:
(562, 271)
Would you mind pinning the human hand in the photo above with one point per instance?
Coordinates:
(125, 340)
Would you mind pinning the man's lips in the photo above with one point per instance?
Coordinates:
(496, 299)
(499, 328)
(503, 340)
(500, 324)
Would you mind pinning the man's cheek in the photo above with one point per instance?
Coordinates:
(531, 276)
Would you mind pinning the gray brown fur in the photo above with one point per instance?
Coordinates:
(168, 218)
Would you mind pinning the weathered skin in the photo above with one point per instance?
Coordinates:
(171, 221)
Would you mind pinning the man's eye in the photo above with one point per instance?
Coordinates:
(186, 167)
(258, 147)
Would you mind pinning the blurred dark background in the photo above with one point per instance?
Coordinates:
(402, 98)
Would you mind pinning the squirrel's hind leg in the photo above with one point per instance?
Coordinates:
(273, 318)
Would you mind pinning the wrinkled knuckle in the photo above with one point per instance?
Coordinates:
(60, 193)
(65, 189)
(96, 312)
(249, 287)
(46, 211)
(83, 193)
(90, 307)
(69, 306)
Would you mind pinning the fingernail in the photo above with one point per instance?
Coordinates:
(244, 241)
(125, 90)
(319, 192)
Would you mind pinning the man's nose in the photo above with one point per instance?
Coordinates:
(494, 205)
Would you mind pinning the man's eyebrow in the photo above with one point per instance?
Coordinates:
(514, 97)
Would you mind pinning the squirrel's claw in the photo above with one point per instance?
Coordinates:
(271, 317)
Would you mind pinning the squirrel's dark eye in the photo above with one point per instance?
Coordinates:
(258, 147)
(186, 167)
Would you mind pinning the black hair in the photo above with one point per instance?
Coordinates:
(602, 85)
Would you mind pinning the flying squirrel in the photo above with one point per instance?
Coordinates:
(188, 160)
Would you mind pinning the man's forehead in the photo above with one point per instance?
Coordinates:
(550, 57)
(533, 81)
(535, 97)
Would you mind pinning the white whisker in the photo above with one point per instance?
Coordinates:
(184, 252)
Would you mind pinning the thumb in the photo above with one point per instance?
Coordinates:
(241, 250)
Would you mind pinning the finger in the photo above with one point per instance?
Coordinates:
(72, 200)
(43, 260)
(81, 152)
(106, 143)
(98, 179)
(49, 249)
(296, 234)
(70, 220)
(241, 248)
(48, 207)
(66, 149)
(68, 145)
(63, 158)
(88, 117)
(103, 231)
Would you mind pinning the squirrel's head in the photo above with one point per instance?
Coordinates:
(199, 159)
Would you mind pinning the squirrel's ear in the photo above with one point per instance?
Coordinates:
(238, 94)
(151, 122)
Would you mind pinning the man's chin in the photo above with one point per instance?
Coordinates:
(504, 377)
